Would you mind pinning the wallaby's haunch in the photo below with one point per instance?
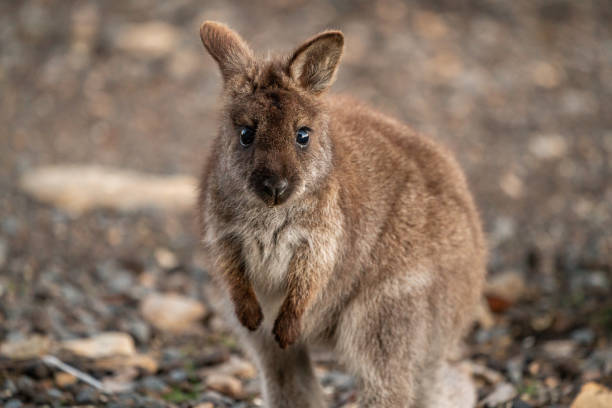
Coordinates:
(327, 223)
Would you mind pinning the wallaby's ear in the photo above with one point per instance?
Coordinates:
(227, 48)
(313, 65)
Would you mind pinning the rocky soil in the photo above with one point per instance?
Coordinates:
(107, 112)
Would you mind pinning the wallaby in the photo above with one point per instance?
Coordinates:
(329, 224)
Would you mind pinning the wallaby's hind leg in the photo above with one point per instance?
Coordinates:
(386, 346)
(453, 388)
(287, 375)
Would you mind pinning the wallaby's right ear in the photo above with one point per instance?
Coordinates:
(227, 48)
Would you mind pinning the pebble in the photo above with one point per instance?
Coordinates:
(213, 358)
(55, 394)
(153, 384)
(165, 258)
(3, 252)
(171, 312)
(205, 405)
(235, 367)
(140, 330)
(593, 395)
(584, 337)
(177, 376)
(217, 399)
(151, 39)
(547, 146)
(338, 380)
(489, 375)
(13, 403)
(142, 361)
(102, 345)
(64, 379)
(514, 367)
(559, 349)
(519, 403)
(31, 347)
(502, 393)
(76, 189)
(225, 384)
(86, 395)
(508, 285)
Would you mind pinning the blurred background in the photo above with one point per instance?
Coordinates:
(107, 112)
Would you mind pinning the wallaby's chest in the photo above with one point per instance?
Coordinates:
(267, 251)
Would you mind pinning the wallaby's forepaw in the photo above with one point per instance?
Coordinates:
(249, 313)
(286, 329)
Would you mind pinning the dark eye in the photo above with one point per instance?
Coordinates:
(302, 136)
(247, 135)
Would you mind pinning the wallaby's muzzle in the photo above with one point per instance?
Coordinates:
(272, 188)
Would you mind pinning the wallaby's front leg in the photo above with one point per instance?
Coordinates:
(305, 278)
(232, 267)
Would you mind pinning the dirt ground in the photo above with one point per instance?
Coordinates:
(521, 91)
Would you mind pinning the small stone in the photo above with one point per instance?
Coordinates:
(86, 395)
(76, 189)
(142, 361)
(547, 146)
(551, 382)
(165, 258)
(218, 400)
(171, 312)
(519, 403)
(559, 349)
(64, 379)
(177, 376)
(508, 285)
(102, 345)
(593, 395)
(545, 75)
(225, 384)
(213, 358)
(31, 347)
(512, 185)
(153, 384)
(151, 39)
(514, 367)
(55, 394)
(121, 381)
(25, 384)
(489, 375)
(140, 330)
(237, 367)
(13, 403)
(584, 337)
(205, 405)
(502, 393)
(3, 252)
(338, 380)
(534, 368)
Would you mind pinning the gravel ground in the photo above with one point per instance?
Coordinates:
(520, 90)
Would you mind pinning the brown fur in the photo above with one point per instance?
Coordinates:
(375, 250)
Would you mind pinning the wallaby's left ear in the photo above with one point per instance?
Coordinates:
(314, 64)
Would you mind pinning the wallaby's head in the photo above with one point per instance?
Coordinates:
(274, 127)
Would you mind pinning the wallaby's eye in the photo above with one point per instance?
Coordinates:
(302, 136)
(247, 135)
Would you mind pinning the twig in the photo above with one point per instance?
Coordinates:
(55, 362)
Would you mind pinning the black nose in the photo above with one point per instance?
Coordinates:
(275, 186)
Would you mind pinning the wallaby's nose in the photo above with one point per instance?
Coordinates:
(275, 186)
